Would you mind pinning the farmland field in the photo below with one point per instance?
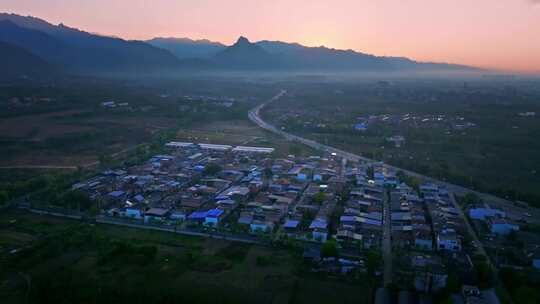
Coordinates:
(106, 263)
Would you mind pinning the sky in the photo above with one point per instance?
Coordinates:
(497, 34)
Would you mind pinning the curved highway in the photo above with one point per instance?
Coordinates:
(254, 116)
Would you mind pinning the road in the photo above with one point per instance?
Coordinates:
(254, 116)
(471, 231)
(387, 241)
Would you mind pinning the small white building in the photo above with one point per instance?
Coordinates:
(247, 149)
(215, 147)
(179, 144)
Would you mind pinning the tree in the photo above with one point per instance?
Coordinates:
(470, 198)
(319, 197)
(486, 276)
(370, 173)
(211, 169)
(526, 295)
(104, 160)
(373, 260)
(76, 200)
(453, 283)
(329, 249)
(4, 197)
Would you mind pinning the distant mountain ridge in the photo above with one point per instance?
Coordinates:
(17, 62)
(188, 48)
(274, 55)
(76, 51)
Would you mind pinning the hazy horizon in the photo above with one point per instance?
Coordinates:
(500, 36)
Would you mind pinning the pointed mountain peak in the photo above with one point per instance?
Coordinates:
(242, 41)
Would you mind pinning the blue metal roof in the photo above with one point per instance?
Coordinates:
(318, 224)
(214, 212)
(197, 215)
(291, 224)
(116, 193)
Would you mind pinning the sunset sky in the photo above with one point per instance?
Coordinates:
(501, 34)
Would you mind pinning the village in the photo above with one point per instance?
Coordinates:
(249, 195)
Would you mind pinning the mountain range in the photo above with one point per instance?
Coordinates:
(17, 62)
(63, 48)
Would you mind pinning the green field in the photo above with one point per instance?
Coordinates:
(60, 261)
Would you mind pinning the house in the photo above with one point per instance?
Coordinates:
(228, 204)
(502, 226)
(319, 229)
(348, 237)
(429, 188)
(116, 195)
(155, 214)
(448, 240)
(291, 225)
(178, 215)
(214, 217)
(278, 199)
(238, 193)
(197, 216)
(139, 198)
(422, 239)
(246, 218)
(485, 212)
(303, 175)
(360, 127)
(379, 178)
(135, 212)
(261, 226)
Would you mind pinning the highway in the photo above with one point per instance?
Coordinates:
(254, 116)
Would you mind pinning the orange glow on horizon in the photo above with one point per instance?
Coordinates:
(484, 33)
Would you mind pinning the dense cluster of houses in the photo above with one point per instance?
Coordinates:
(236, 188)
(361, 221)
